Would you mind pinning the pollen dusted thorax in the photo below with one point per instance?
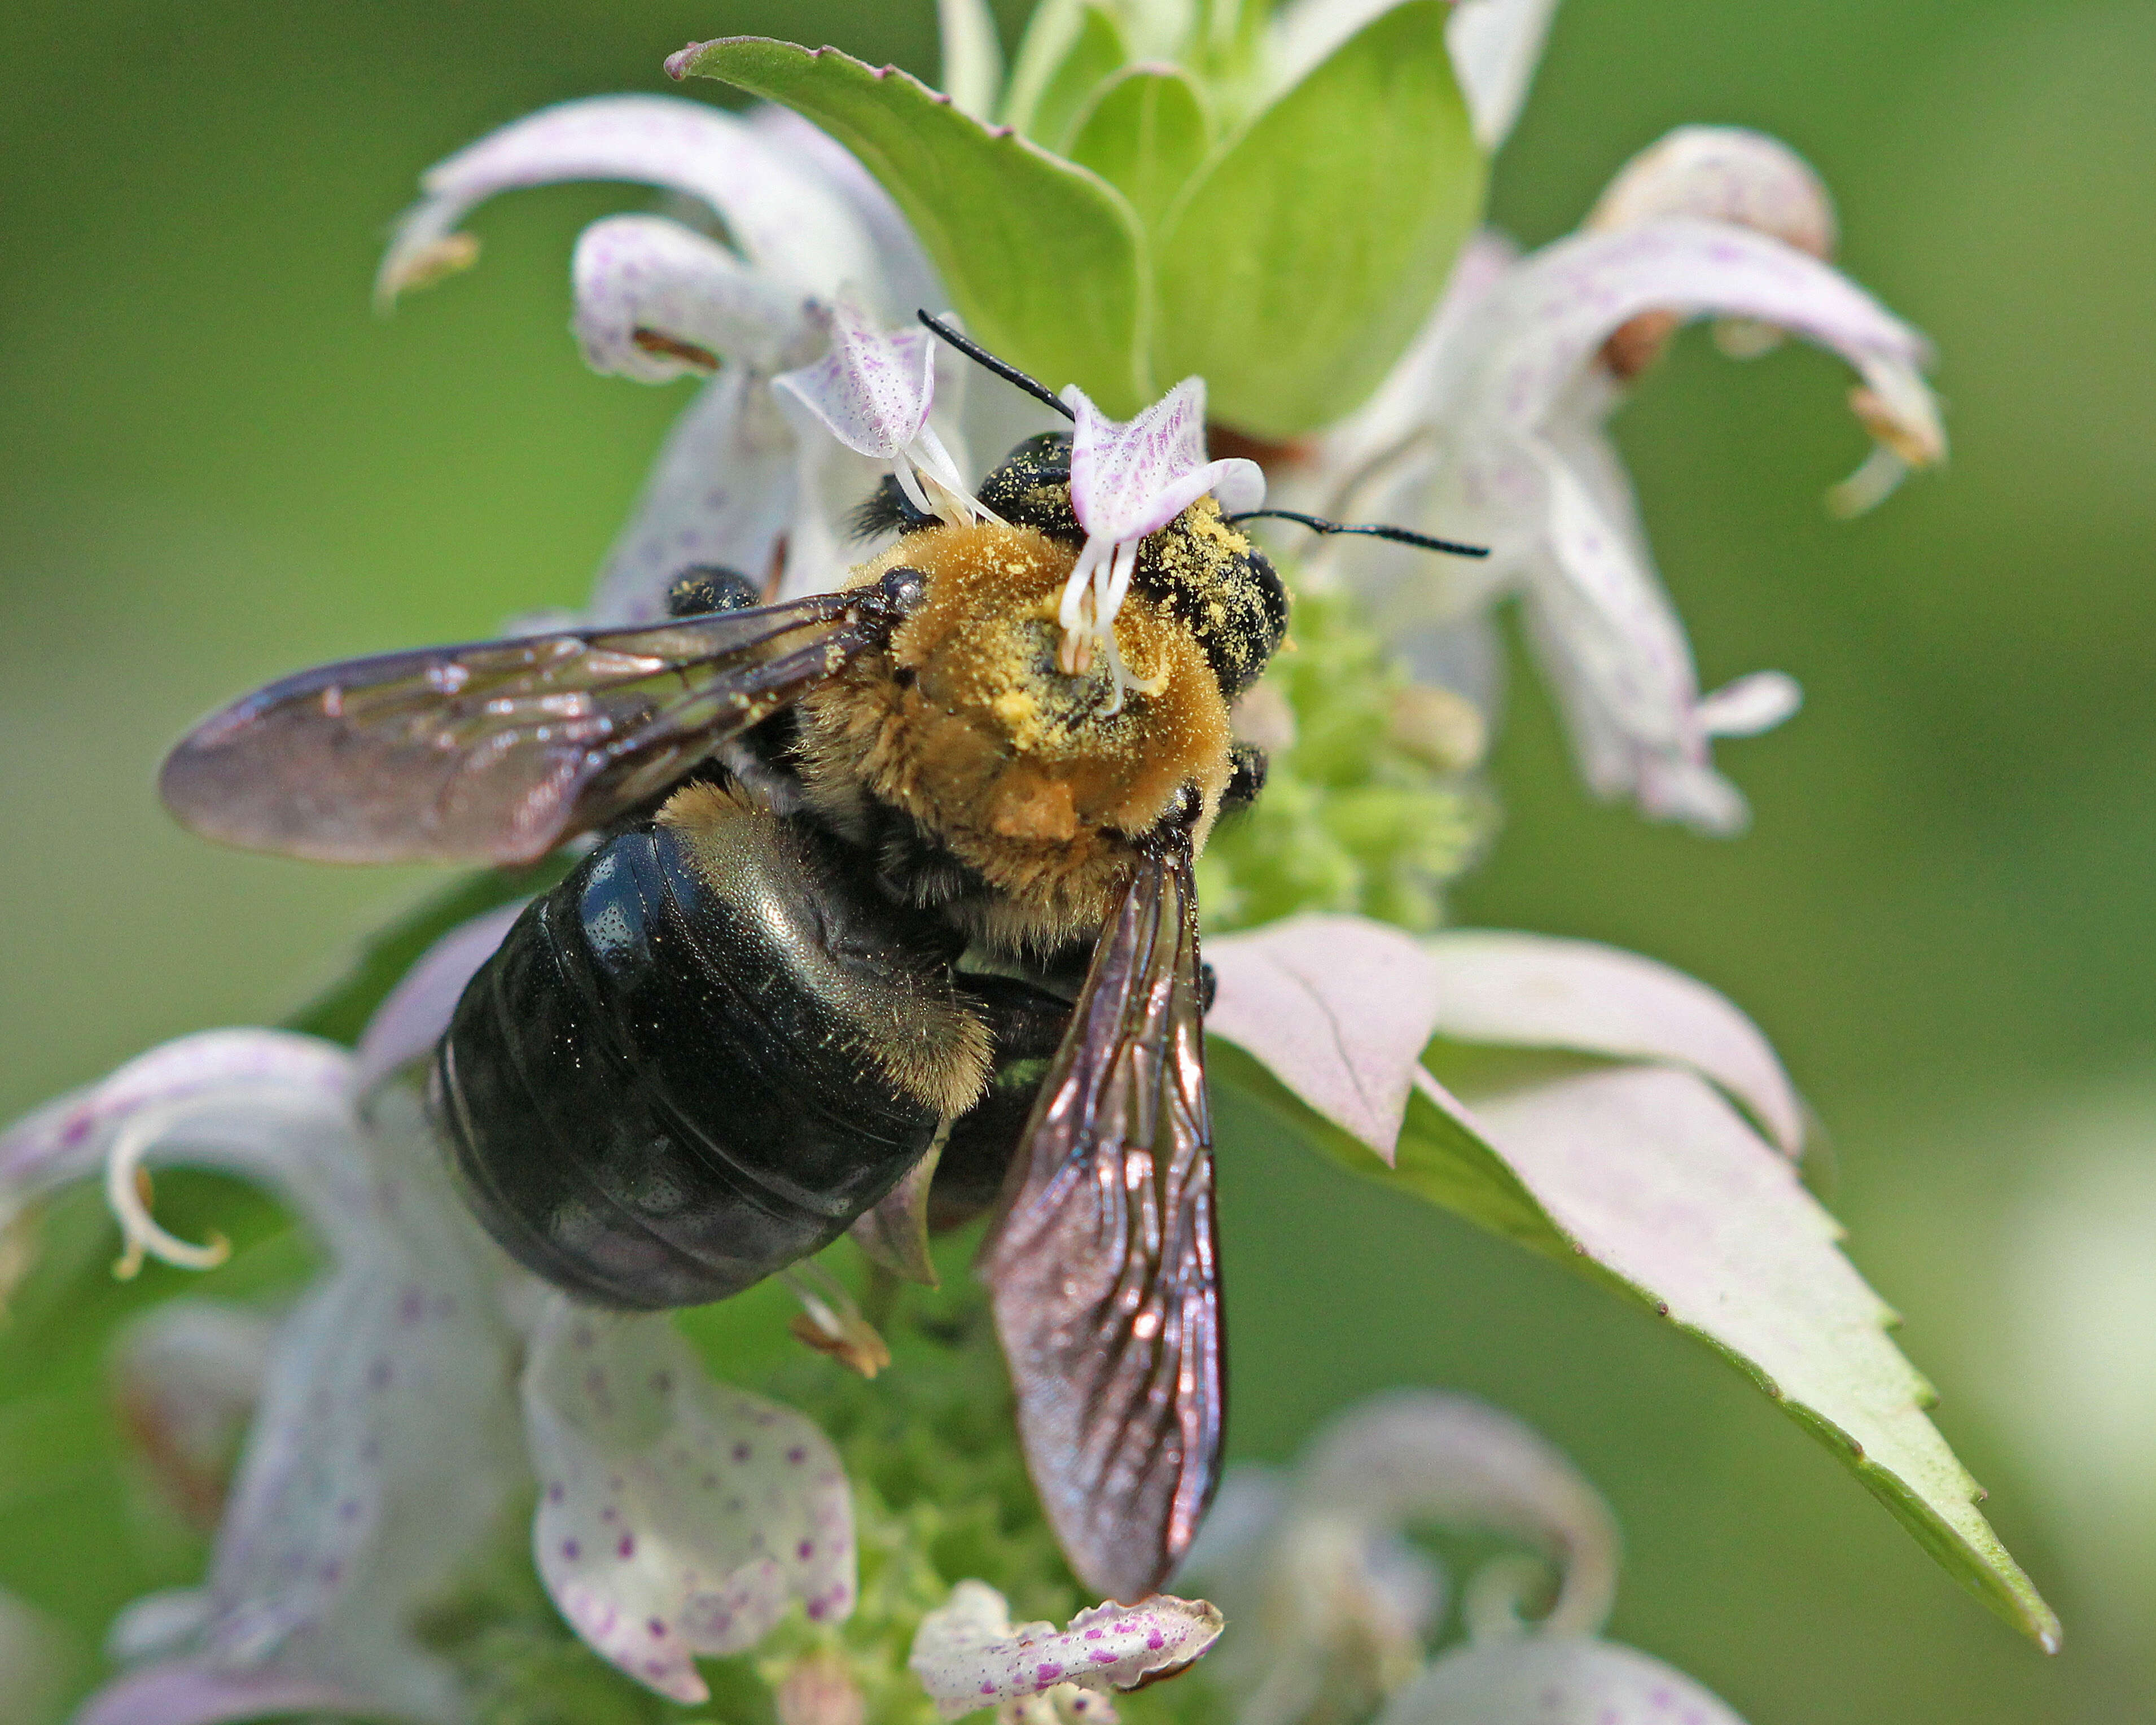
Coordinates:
(1038, 782)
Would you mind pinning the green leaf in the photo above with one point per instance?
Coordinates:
(1300, 264)
(1044, 259)
(1071, 48)
(1146, 134)
(1645, 1179)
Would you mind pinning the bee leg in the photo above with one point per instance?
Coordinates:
(705, 588)
(1246, 777)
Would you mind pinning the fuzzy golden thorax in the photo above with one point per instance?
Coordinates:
(1025, 775)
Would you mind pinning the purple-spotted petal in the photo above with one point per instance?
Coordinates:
(656, 300)
(1550, 317)
(386, 1438)
(1339, 1007)
(414, 1013)
(873, 389)
(193, 1692)
(1553, 1680)
(240, 1096)
(1537, 991)
(968, 1655)
(1130, 478)
(676, 1516)
(786, 216)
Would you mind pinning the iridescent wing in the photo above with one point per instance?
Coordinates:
(498, 752)
(1104, 1269)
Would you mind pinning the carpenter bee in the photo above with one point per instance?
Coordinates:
(874, 882)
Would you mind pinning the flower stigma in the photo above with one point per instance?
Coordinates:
(128, 1192)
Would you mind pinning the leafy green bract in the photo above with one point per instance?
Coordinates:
(1298, 267)
(1044, 259)
(1613, 1136)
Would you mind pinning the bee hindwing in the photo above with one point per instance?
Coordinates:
(1104, 1271)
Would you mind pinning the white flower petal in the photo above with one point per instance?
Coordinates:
(414, 1013)
(1538, 991)
(1750, 705)
(1419, 1455)
(656, 300)
(1130, 478)
(236, 1092)
(873, 389)
(788, 219)
(724, 491)
(1721, 173)
(193, 1692)
(676, 1516)
(382, 1437)
(1339, 1007)
(908, 280)
(1549, 318)
(1496, 45)
(385, 1443)
(968, 1655)
(1553, 1680)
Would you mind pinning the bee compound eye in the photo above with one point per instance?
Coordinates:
(903, 587)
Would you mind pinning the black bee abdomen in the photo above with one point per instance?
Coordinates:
(656, 1091)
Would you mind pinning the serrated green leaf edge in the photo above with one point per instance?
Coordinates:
(1308, 252)
(1146, 132)
(1441, 1159)
(1044, 259)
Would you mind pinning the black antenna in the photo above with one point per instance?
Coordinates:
(1002, 368)
(1402, 536)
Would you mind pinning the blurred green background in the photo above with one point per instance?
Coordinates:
(220, 466)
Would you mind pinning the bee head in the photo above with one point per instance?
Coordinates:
(1203, 569)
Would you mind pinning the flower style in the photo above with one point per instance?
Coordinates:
(1129, 479)
(1335, 1606)
(1491, 428)
(420, 1384)
(818, 252)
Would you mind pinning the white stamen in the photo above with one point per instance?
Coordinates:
(123, 1169)
(1869, 485)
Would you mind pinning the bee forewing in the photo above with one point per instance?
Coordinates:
(1104, 1271)
(497, 752)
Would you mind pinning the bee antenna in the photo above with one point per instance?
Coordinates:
(1002, 367)
(1401, 536)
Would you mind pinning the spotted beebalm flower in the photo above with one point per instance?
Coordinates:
(1130, 478)
(421, 1384)
(816, 255)
(1491, 428)
(969, 1655)
(1333, 1610)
